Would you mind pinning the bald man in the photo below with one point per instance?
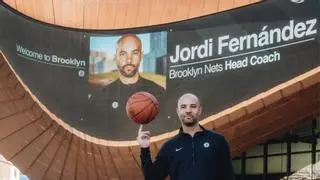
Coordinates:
(195, 153)
(108, 115)
(128, 57)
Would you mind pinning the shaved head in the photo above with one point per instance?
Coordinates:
(124, 37)
(189, 96)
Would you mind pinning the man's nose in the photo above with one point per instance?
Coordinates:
(129, 58)
(188, 109)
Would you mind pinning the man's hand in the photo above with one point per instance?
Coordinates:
(143, 138)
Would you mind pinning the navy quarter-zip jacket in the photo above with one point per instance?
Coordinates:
(205, 156)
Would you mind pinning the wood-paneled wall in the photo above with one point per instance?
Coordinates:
(119, 14)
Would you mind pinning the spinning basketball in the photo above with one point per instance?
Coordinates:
(142, 107)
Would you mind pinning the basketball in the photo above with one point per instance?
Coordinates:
(142, 107)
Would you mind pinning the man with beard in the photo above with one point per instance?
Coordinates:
(195, 153)
(109, 104)
(128, 58)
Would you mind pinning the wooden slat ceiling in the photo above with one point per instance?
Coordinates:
(119, 14)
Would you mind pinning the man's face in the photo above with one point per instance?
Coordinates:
(189, 110)
(128, 56)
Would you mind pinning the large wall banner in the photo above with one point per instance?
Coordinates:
(86, 77)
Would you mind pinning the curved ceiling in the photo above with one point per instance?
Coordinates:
(119, 14)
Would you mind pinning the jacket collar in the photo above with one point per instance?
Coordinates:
(183, 133)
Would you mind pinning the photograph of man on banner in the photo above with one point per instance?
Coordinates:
(119, 67)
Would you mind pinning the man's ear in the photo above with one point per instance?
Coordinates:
(200, 110)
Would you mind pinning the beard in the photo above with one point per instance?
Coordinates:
(191, 123)
(130, 74)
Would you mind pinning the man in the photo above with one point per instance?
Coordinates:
(195, 153)
(109, 104)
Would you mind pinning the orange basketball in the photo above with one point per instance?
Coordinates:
(142, 107)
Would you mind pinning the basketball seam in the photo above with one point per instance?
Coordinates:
(151, 112)
(131, 103)
(142, 110)
(147, 94)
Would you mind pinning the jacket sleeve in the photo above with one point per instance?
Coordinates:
(157, 170)
(225, 168)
